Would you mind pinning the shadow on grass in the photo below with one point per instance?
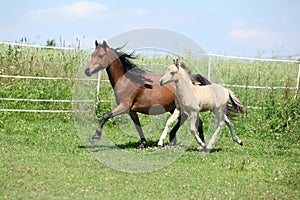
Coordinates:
(208, 151)
(151, 144)
(128, 145)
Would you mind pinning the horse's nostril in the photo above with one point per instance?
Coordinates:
(87, 71)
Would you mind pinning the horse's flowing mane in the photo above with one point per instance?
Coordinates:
(132, 71)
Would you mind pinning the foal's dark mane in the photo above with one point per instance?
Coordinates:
(197, 78)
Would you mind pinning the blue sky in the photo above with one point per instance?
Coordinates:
(248, 28)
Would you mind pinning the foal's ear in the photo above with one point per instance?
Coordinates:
(176, 62)
(96, 43)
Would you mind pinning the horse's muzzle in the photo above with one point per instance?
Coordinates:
(87, 71)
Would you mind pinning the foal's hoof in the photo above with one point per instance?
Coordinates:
(241, 143)
(95, 139)
(142, 145)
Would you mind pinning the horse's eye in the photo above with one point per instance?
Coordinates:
(172, 73)
(100, 56)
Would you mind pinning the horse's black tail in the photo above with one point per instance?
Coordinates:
(234, 108)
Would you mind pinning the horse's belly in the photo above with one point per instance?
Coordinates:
(155, 100)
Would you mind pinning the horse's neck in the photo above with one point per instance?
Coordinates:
(115, 71)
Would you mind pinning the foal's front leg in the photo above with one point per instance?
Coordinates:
(170, 121)
(220, 123)
(193, 125)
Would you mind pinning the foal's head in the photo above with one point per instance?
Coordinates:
(100, 59)
(172, 73)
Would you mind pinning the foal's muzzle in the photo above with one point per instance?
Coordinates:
(161, 83)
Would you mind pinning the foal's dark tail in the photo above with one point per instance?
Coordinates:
(234, 108)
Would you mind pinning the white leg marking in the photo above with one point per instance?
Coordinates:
(170, 121)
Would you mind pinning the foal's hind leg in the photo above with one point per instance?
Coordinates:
(234, 137)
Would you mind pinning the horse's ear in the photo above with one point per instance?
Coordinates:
(96, 43)
(104, 44)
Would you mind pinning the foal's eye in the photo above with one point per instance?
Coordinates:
(100, 56)
(172, 73)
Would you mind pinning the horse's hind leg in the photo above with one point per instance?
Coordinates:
(170, 121)
(138, 127)
(181, 119)
(233, 135)
(200, 128)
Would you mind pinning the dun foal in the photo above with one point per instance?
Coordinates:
(193, 99)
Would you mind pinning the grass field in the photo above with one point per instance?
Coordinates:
(43, 155)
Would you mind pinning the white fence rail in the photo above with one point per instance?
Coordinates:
(296, 88)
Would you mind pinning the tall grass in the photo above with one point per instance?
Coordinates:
(276, 107)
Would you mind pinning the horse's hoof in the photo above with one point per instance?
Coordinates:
(173, 143)
(142, 146)
(159, 146)
(241, 143)
(95, 139)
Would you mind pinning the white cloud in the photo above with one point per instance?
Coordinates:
(239, 34)
(80, 9)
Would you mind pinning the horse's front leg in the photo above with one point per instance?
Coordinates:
(170, 121)
(138, 127)
(120, 109)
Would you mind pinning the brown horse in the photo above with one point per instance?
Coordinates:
(135, 90)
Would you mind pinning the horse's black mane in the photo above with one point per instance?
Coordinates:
(132, 71)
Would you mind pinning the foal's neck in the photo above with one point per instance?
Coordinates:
(184, 86)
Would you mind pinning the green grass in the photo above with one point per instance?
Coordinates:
(42, 158)
(46, 155)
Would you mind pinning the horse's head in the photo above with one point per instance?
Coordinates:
(171, 74)
(100, 59)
